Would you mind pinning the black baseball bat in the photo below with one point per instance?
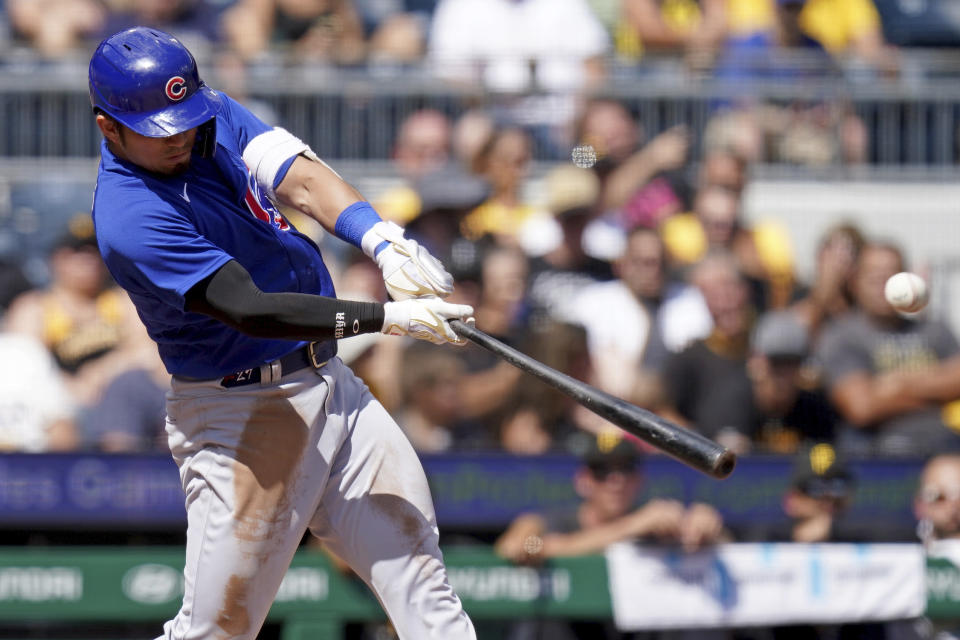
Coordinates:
(685, 445)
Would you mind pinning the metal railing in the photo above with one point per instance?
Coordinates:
(911, 118)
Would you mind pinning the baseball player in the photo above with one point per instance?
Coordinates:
(272, 433)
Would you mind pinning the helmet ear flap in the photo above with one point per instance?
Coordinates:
(206, 144)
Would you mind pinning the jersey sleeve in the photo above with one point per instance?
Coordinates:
(152, 247)
(267, 151)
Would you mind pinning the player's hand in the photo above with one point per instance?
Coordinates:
(409, 271)
(425, 319)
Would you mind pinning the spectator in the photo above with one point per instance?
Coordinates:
(535, 417)
(889, 376)
(723, 167)
(817, 503)
(501, 306)
(847, 29)
(514, 46)
(422, 147)
(432, 412)
(692, 30)
(192, 20)
(56, 28)
(937, 503)
(423, 143)
(640, 182)
(787, 415)
(706, 385)
(561, 266)
(646, 316)
(830, 295)
(818, 494)
(445, 196)
(37, 413)
(131, 414)
(490, 383)
(763, 250)
(608, 483)
(937, 508)
(549, 51)
(88, 324)
(471, 131)
(13, 282)
(504, 161)
(314, 30)
(396, 29)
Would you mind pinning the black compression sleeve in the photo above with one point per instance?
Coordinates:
(231, 296)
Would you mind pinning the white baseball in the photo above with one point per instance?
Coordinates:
(907, 292)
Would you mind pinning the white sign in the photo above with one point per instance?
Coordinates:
(764, 584)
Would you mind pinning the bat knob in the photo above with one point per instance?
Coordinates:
(723, 464)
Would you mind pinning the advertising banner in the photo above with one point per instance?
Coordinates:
(737, 585)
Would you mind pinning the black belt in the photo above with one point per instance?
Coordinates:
(313, 355)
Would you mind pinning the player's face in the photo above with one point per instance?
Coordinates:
(166, 156)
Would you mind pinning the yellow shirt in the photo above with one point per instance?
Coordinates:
(744, 18)
(835, 24)
(747, 17)
(495, 218)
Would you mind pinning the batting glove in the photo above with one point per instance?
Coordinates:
(409, 271)
(425, 319)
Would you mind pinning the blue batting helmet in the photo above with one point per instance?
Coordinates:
(147, 80)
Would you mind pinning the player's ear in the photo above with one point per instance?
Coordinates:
(109, 127)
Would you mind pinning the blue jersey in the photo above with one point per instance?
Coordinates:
(161, 235)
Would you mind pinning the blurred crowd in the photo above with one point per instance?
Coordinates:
(510, 44)
(635, 271)
(627, 263)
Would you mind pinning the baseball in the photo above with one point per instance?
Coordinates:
(906, 292)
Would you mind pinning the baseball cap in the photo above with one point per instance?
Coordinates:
(610, 451)
(571, 190)
(779, 335)
(450, 188)
(820, 472)
(79, 233)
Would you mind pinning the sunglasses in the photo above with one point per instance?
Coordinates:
(933, 495)
(601, 472)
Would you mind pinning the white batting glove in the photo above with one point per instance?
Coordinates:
(409, 271)
(425, 319)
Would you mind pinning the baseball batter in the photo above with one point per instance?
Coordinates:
(272, 433)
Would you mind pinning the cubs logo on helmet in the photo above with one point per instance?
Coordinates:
(176, 88)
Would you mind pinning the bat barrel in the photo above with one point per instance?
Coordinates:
(686, 445)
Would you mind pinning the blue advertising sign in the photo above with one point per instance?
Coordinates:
(469, 490)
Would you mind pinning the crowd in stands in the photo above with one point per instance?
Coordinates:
(637, 274)
(510, 45)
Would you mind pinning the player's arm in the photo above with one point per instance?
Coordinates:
(231, 296)
(316, 190)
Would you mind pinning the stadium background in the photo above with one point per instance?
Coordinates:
(903, 187)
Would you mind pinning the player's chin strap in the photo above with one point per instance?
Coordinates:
(206, 144)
